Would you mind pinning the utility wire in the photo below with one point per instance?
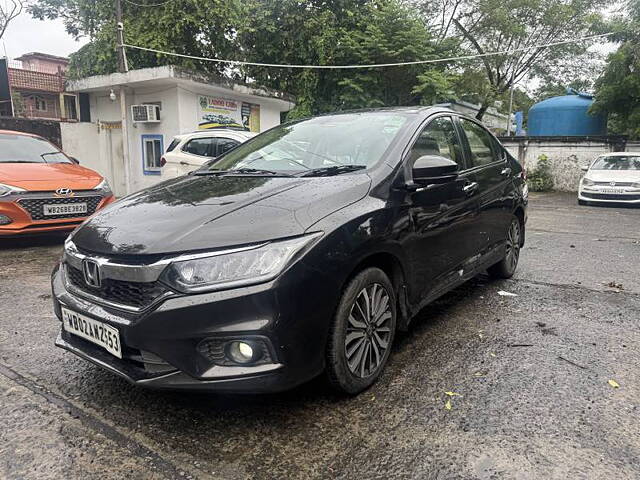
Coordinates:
(375, 65)
(149, 4)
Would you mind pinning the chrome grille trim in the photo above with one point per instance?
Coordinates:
(33, 205)
(141, 273)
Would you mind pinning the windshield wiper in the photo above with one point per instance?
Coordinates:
(241, 171)
(332, 170)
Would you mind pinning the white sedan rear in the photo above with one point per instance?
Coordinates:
(612, 178)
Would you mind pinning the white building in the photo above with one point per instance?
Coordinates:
(176, 102)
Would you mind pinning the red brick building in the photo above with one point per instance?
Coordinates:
(37, 86)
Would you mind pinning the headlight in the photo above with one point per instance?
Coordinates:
(587, 182)
(235, 268)
(7, 189)
(104, 187)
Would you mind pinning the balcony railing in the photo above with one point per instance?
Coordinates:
(36, 79)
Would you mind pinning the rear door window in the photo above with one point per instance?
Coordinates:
(481, 147)
(203, 147)
(224, 145)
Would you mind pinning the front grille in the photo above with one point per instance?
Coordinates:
(132, 294)
(35, 206)
(610, 196)
(616, 184)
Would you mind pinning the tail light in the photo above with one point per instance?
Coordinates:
(163, 161)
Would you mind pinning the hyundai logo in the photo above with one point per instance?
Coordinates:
(64, 192)
(91, 272)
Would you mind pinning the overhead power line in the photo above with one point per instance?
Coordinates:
(375, 65)
(149, 4)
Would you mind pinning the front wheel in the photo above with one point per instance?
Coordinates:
(506, 267)
(362, 332)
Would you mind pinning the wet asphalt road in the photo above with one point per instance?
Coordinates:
(531, 372)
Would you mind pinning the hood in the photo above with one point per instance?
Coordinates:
(614, 175)
(206, 212)
(48, 176)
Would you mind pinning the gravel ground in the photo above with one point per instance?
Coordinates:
(531, 375)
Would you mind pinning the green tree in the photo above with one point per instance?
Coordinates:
(343, 33)
(194, 28)
(496, 25)
(618, 88)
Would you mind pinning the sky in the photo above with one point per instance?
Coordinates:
(25, 34)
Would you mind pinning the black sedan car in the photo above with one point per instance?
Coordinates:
(301, 252)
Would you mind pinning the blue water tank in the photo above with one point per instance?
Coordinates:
(567, 115)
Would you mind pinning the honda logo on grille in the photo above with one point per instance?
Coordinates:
(91, 272)
(64, 192)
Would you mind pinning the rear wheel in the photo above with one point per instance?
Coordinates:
(506, 267)
(362, 332)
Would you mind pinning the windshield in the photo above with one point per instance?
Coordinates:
(617, 163)
(346, 140)
(25, 149)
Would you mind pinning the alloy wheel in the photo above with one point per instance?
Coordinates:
(368, 330)
(513, 245)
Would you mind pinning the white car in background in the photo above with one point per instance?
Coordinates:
(613, 178)
(189, 151)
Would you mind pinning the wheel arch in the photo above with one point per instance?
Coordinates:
(519, 213)
(391, 265)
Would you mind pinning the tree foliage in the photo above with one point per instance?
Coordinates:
(497, 25)
(618, 88)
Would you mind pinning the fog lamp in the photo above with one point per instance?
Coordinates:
(4, 220)
(242, 352)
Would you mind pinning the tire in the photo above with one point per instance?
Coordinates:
(358, 347)
(506, 267)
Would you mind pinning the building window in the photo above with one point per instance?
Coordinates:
(152, 148)
(39, 103)
(70, 110)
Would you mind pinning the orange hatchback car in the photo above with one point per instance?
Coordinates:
(42, 189)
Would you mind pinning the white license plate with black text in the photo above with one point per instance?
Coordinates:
(65, 209)
(89, 329)
(612, 190)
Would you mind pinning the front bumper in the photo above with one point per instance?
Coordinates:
(23, 224)
(293, 323)
(594, 195)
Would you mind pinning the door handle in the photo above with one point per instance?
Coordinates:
(470, 188)
(506, 172)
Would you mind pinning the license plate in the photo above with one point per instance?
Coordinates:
(89, 329)
(65, 209)
(612, 190)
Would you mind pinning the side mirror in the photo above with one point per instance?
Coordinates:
(434, 169)
(75, 160)
(584, 168)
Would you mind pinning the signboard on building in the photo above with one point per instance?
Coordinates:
(218, 112)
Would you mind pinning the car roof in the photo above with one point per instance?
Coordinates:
(620, 154)
(15, 132)
(216, 133)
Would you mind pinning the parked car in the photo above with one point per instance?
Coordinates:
(190, 151)
(42, 189)
(299, 252)
(612, 177)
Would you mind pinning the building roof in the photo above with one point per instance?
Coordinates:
(42, 56)
(172, 75)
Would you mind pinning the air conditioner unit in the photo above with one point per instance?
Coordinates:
(145, 113)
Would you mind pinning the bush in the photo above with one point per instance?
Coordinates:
(541, 179)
